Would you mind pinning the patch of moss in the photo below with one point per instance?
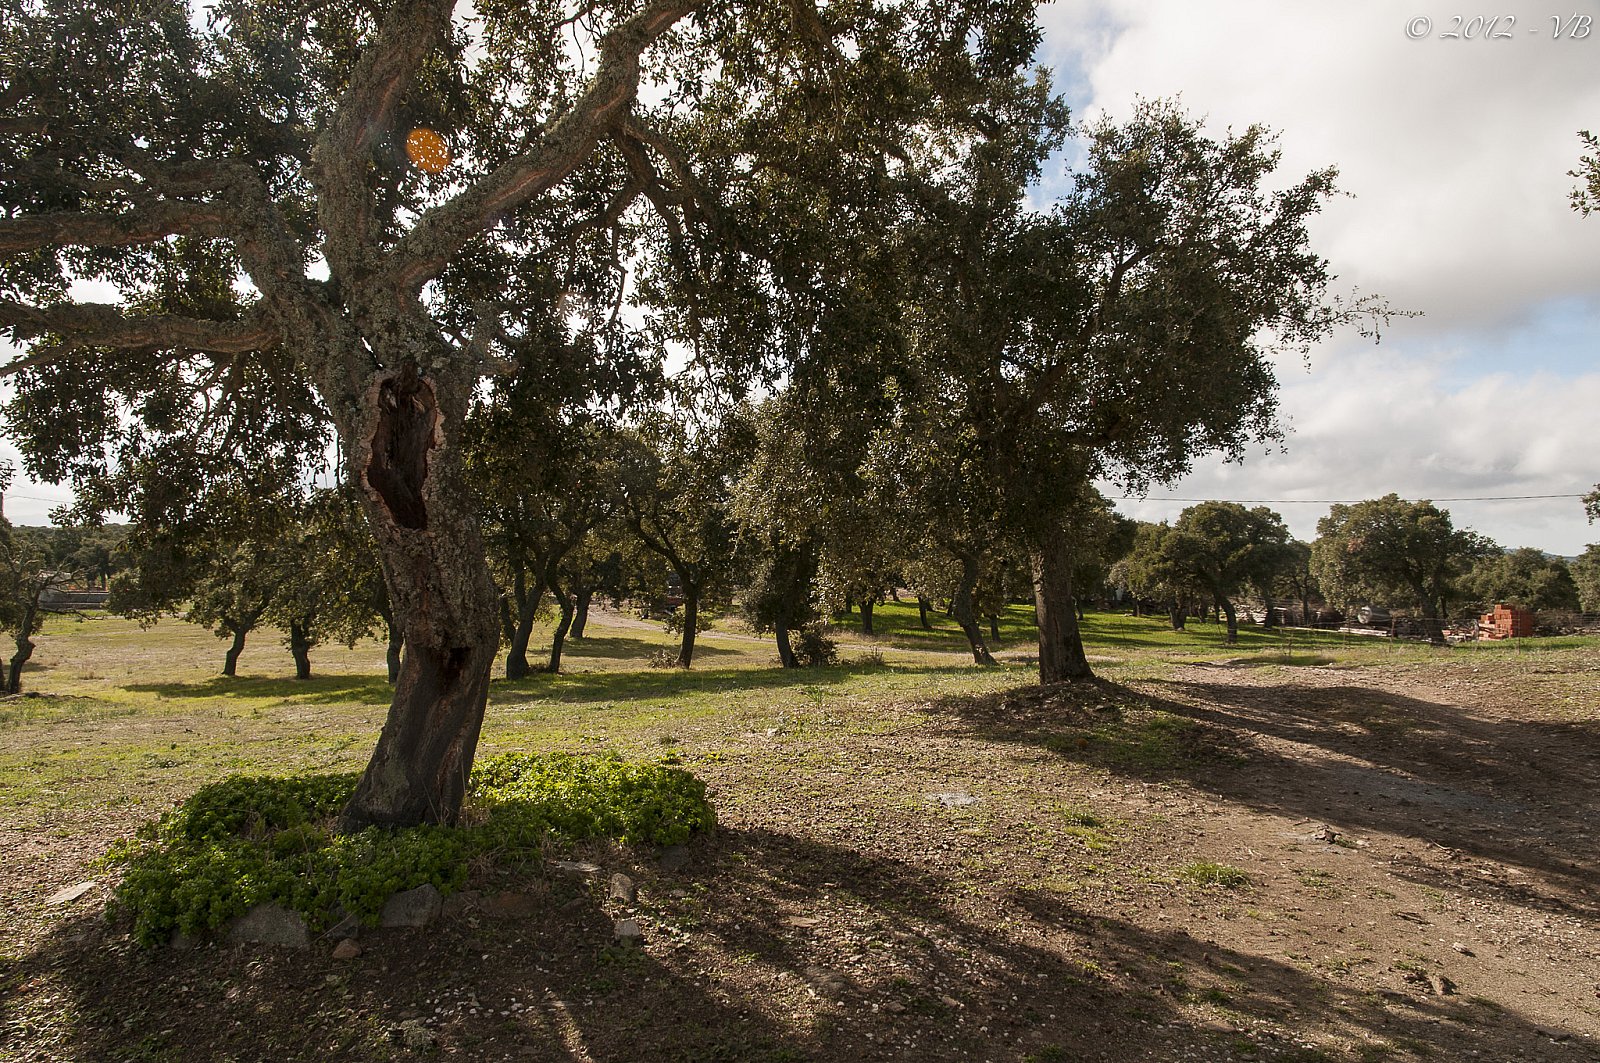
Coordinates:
(252, 840)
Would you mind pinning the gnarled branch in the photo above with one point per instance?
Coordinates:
(438, 234)
(365, 113)
(83, 325)
(145, 225)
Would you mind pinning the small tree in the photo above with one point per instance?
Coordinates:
(29, 571)
(1526, 578)
(1389, 551)
(1586, 574)
(676, 500)
(1152, 572)
(1221, 547)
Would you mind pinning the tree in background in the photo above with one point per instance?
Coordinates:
(1388, 551)
(1122, 333)
(213, 542)
(1525, 578)
(1296, 580)
(1221, 547)
(676, 486)
(381, 175)
(30, 568)
(342, 559)
(1586, 196)
(1150, 572)
(1586, 575)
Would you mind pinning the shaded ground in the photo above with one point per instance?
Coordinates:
(1011, 875)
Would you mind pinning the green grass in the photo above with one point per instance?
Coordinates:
(130, 717)
(1211, 873)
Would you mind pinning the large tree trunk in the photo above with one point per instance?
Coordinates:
(961, 605)
(403, 453)
(1178, 614)
(923, 605)
(786, 655)
(30, 620)
(580, 618)
(691, 622)
(1269, 622)
(867, 604)
(558, 638)
(230, 663)
(1226, 605)
(1431, 624)
(1061, 656)
(527, 602)
(397, 641)
(994, 626)
(300, 649)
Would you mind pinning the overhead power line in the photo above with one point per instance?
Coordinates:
(1330, 501)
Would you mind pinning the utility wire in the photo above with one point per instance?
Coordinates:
(1327, 501)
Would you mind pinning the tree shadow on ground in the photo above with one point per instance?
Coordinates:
(1508, 802)
(318, 690)
(627, 648)
(612, 686)
(765, 947)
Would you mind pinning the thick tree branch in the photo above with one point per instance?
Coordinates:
(102, 325)
(142, 226)
(343, 154)
(439, 233)
(689, 191)
(1047, 380)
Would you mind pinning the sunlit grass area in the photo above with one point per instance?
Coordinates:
(123, 715)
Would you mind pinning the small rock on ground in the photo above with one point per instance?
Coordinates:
(623, 889)
(69, 894)
(628, 932)
(414, 1035)
(347, 950)
(270, 924)
(417, 907)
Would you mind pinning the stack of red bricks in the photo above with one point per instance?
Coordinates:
(1506, 622)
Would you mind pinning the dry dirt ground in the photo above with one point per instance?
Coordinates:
(1023, 876)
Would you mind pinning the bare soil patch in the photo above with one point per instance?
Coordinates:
(1017, 876)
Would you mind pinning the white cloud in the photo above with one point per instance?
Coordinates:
(1457, 154)
(1456, 151)
(1389, 421)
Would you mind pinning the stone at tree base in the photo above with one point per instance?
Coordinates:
(270, 924)
(628, 932)
(417, 907)
(347, 949)
(69, 894)
(623, 889)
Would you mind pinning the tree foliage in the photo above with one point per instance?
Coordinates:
(1525, 577)
(287, 260)
(1389, 551)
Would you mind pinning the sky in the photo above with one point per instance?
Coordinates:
(1455, 154)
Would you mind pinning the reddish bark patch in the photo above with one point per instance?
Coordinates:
(408, 418)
